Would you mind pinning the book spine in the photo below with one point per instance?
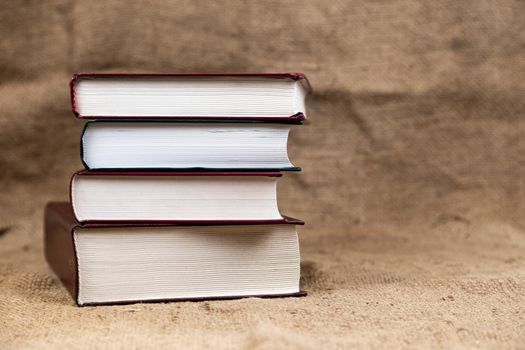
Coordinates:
(59, 249)
(72, 93)
(84, 129)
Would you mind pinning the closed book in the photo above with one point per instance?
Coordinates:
(116, 263)
(276, 97)
(176, 145)
(140, 196)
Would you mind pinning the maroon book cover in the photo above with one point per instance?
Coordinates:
(60, 251)
(296, 118)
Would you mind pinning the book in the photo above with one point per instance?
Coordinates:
(270, 97)
(186, 145)
(118, 263)
(98, 196)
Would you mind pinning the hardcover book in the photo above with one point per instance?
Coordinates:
(266, 97)
(98, 196)
(171, 145)
(120, 263)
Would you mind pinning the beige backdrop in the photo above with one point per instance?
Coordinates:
(414, 162)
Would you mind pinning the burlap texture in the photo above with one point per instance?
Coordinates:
(414, 160)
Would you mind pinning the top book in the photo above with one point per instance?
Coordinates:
(261, 97)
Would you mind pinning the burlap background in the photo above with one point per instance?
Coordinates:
(413, 185)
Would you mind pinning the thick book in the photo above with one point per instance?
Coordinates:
(249, 146)
(115, 263)
(100, 196)
(265, 97)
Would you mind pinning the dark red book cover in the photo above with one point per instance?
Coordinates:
(296, 118)
(60, 251)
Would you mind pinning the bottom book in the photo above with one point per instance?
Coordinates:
(170, 261)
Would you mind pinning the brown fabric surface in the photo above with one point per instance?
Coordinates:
(413, 185)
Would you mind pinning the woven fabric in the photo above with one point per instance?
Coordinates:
(413, 164)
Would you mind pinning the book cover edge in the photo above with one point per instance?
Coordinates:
(301, 293)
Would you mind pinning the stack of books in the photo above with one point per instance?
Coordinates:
(179, 197)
